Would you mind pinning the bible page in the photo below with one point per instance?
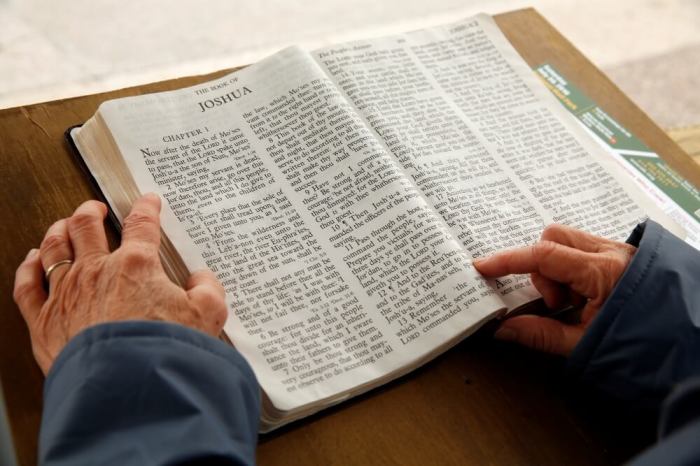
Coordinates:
(483, 140)
(337, 271)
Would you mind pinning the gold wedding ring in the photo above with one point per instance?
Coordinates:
(55, 266)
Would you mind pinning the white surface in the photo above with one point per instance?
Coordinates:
(56, 49)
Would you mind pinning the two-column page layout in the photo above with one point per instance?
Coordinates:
(341, 194)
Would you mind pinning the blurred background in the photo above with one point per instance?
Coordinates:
(52, 49)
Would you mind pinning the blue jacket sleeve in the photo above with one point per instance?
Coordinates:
(153, 393)
(644, 345)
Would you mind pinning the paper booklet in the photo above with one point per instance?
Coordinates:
(341, 194)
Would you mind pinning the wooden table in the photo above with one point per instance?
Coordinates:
(481, 403)
(689, 140)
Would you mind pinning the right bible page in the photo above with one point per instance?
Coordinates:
(484, 140)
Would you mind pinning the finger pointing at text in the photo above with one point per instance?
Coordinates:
(566, 265)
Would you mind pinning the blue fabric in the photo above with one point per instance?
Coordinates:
(157, 393)
(153, 393)
(644, 345)
(679, 428)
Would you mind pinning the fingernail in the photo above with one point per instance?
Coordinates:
(152, 196)
(506, 334)
(32, 254)
(479, 262)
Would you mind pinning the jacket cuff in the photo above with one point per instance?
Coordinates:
(145, 392)
(643, 339)
(647, 238)
(147, 332)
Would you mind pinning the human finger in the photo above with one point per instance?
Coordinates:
(549, 259)
(572, 237)
(28, 291)
(540, 333)
(553, 293)
(142, 225)
(56, 247)
(87, 231)
(207, 293)
(589, 310)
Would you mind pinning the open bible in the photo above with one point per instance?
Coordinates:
(341, 194)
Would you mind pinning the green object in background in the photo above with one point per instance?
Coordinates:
(676, 187)
(623, 143)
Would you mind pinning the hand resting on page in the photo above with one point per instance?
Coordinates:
(101, 286)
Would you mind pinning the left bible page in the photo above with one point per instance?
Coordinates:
(277, 185)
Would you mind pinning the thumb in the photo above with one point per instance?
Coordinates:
(540, 333)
